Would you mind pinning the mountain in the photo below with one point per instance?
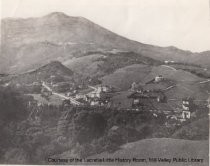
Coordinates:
(32, 42)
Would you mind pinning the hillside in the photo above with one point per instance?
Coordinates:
(161, 148)
(53, 71)
(200, 127)
(32, 42)
(102, 63)
(186, 82)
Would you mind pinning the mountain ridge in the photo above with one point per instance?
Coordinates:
(63, 15)
(29, 43)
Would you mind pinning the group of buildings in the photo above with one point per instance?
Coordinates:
(156, 102)
(95, 96)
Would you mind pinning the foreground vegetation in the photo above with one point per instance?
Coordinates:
(77, 132)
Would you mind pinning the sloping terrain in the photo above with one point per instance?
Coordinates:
(30, 43)
(124, 77)
(144, 73)
(54, 71)
(86, 65)
(160, 148)
(196, 130)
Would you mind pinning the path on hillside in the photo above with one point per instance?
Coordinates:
(169, 67)
(202, 82)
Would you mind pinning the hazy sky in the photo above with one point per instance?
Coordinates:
(181, 23)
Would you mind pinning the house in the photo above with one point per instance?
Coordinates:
(168, 62)
(94, 103)
(136, 88)
(103, 88)
(133, 86)
(158, 78)
(114, 128)
(157, 95)
(187, 104)
(99, 92)
(95, 96)
(81, 96)
(186, 114)
(151, 95)
(98, 101)
(140, 100)
(187, 107)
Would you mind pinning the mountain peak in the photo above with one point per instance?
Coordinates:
(57, 15)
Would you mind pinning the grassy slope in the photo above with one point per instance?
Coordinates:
(161, 147)
(196, 130)
(86, 66)
(186, 82)
(124, 77)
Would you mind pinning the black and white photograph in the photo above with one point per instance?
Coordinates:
(105, 82)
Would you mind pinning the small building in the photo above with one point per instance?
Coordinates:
(94, 103)
(158, 95)
(114, 128)
(168, 62)
(186, 114)
(139, 100)
(136, 88)
(94, 94)
(144, 98)
(158, 78)
(100, 92)
(103, 88)
(187, 104)
(187, 107)
(133, 86)
(81, 96)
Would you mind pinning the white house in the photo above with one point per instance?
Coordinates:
(158, 78)
(94, 103)
(186, 114)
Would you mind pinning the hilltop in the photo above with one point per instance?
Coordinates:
(53, 71)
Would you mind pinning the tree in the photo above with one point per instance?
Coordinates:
(88, 125)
